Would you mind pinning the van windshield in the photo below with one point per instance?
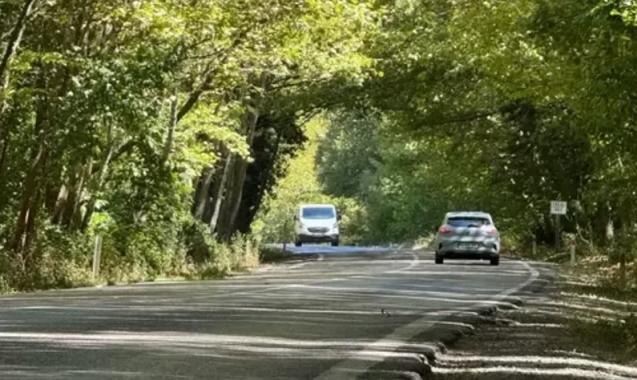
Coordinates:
(318, 213)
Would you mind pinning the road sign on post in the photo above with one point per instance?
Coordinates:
(558, 208)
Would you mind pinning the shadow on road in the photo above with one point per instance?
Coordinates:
(327, 249)
(292, 323)
(465, 263)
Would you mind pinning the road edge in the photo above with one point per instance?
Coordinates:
(426, 338)
(415, 361)
(309, 257)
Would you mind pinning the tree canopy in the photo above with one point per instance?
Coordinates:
(162, 124)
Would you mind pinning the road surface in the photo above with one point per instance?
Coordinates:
(320, 319)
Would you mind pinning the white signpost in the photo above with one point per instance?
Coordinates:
(558, 208)
(97, 255)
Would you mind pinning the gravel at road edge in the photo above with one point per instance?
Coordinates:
(528, 339)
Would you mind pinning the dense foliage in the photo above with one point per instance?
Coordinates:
(165, 126)
(494, 106)
(155, 124)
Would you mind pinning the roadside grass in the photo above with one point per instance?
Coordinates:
(271, 255)
(424, 241)
(54, 272)
(615, 337)
(608, 317)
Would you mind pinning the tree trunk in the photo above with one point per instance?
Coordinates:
(65, 192)
(235, 189)
(14, 41)
(32, 183)
(60, 204)
(97, 186)
(72, 217)
(5, 138)
(213, 192)
(250, 122)
(221, 193)
(15, 36)
(224, 226)
(237, 172)
(201, 198)
(24, 224)
(207, 188)
(170, 135)
(258, 180)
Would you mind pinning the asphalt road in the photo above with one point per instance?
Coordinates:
(314, 320)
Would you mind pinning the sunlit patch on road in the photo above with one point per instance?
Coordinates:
(298, 320)
(329, 250)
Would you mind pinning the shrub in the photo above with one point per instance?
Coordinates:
(131, 253)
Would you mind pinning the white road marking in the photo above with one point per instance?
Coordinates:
(358, 363)
(413, 263)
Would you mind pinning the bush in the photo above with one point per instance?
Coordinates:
(353, 225)
(6, 280)
(58, 259)
(242, 253)
(62, 259)
(269, 255)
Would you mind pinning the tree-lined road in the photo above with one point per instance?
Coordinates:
(310, 320)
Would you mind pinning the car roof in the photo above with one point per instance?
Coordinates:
(468, 214)
(317, 205)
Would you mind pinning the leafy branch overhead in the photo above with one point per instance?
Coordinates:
(157, 113)
(501, 106)
(161, 124)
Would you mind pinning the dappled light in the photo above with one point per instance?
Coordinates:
(600, 299)
(362, 305)
(537, 372)
(173, 161)
(538, 362)
(553, 336)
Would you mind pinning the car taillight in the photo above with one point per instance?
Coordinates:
(493, 232)
(445, 230)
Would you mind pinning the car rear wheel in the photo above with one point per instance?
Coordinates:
(439, 259)
(335, 243)
(298, 243)
(495, 261)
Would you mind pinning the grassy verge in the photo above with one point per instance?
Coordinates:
(63, 268)
(606, 317)
(271, 255)
(602, 302)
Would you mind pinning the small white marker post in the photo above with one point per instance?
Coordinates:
(558, 208)
(573, 252)
(97, 253)
(534, 247)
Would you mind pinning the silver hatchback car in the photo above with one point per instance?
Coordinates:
(468, 235)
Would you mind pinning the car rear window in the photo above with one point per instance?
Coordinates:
(468, 221)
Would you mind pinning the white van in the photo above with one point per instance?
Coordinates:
(316, 223)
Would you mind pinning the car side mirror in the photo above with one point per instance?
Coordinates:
(339, 217)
